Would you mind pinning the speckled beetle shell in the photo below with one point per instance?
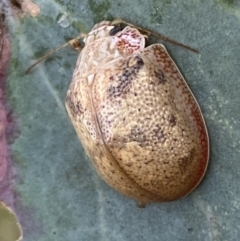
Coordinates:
(136, 117)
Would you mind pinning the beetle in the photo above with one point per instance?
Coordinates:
(136, 117)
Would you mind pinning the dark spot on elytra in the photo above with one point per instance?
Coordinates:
(160, 76)
(184, 162)
(124, 80)
(148, 161)
(115, 30)
(138, 135)
(172, 120)
(76, 108)
(119, 142)
(158, 132)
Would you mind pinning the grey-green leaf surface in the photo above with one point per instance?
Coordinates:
(59, 195)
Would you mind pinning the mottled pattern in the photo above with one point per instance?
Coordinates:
(160, 76)
(130, 69)
(129, 41)
(136, 117)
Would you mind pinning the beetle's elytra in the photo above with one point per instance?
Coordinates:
(136, 117)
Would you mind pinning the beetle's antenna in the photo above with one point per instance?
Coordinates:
(74, 44)
(160, 36)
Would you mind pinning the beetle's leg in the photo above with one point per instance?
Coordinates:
(74, 43)
(141, 204)
(150, 32)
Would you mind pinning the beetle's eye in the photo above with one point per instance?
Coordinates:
(115, 30)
